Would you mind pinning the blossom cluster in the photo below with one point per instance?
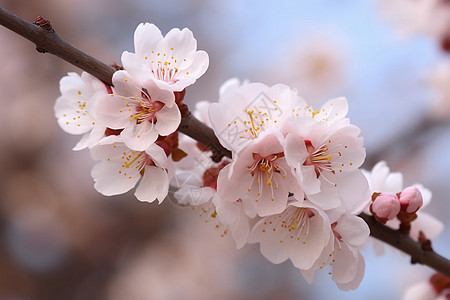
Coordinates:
(131, 127)
(293, 183)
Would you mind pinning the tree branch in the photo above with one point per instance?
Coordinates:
(47, 40)
(404, 243)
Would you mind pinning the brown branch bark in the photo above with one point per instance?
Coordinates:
(404, 243)
(47, 40)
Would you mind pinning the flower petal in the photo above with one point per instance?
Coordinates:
(154, 185)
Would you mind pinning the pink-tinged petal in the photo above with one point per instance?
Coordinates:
(232, 122)
(354, 191)
(332, 110)
(295, 150)
(268, 201)
(305, 253)
(157, 154)
(293, 186)
(92, 84)
(411, 199)
(134, 64)
(357, 278)
(323, 261)
(156, 94)
(345, 266)
(248, 208)
(108, 180)
(327, 198)
(70, 85)
(233, 188)
(265, 232)
(72, 115)
(109, 147)
(168, 120)
(154, 185)
(112, 111)
(190, 70)
(97, 133)
(386, 206)
(182, 42)
(351, 154)
(140, 136)
(146, 38)
(125, 84)
(83, 143)
(232, 215)
(307, 177)
(353, 230)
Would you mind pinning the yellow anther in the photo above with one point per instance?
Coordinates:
(128, 164)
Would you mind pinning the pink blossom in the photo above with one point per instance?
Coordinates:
(411, 199)
(385, 206)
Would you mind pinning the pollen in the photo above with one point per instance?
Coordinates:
(79, 92)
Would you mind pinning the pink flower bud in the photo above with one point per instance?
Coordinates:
(411, 199)
(385, 206)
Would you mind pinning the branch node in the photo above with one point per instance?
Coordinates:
(44, 24)
(116, 66)
(425, 243)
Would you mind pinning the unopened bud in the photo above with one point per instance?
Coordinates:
(411, 199)
(385, 206)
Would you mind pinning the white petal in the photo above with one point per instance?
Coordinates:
(346, 262)
(157, 94)
(353, 230)
(158, 155)
(190, 70)
(168, 120)
(146, 38)
(182, 42)
(269, 239)
(332, 110)
(358, 277)
(354, 190)
(109, 181)
(112, 111)
(304, 254)
(140, 136)
(154, 185)
(83, 143)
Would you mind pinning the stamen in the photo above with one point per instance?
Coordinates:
(253, 130)
(128, 164)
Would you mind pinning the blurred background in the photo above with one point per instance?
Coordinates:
(60, 239)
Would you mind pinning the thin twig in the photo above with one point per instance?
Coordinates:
(47, 40)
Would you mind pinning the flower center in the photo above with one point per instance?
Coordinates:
(144, 108)
(296, 221)
(265, 166)
(164, 66)
(319, 158)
